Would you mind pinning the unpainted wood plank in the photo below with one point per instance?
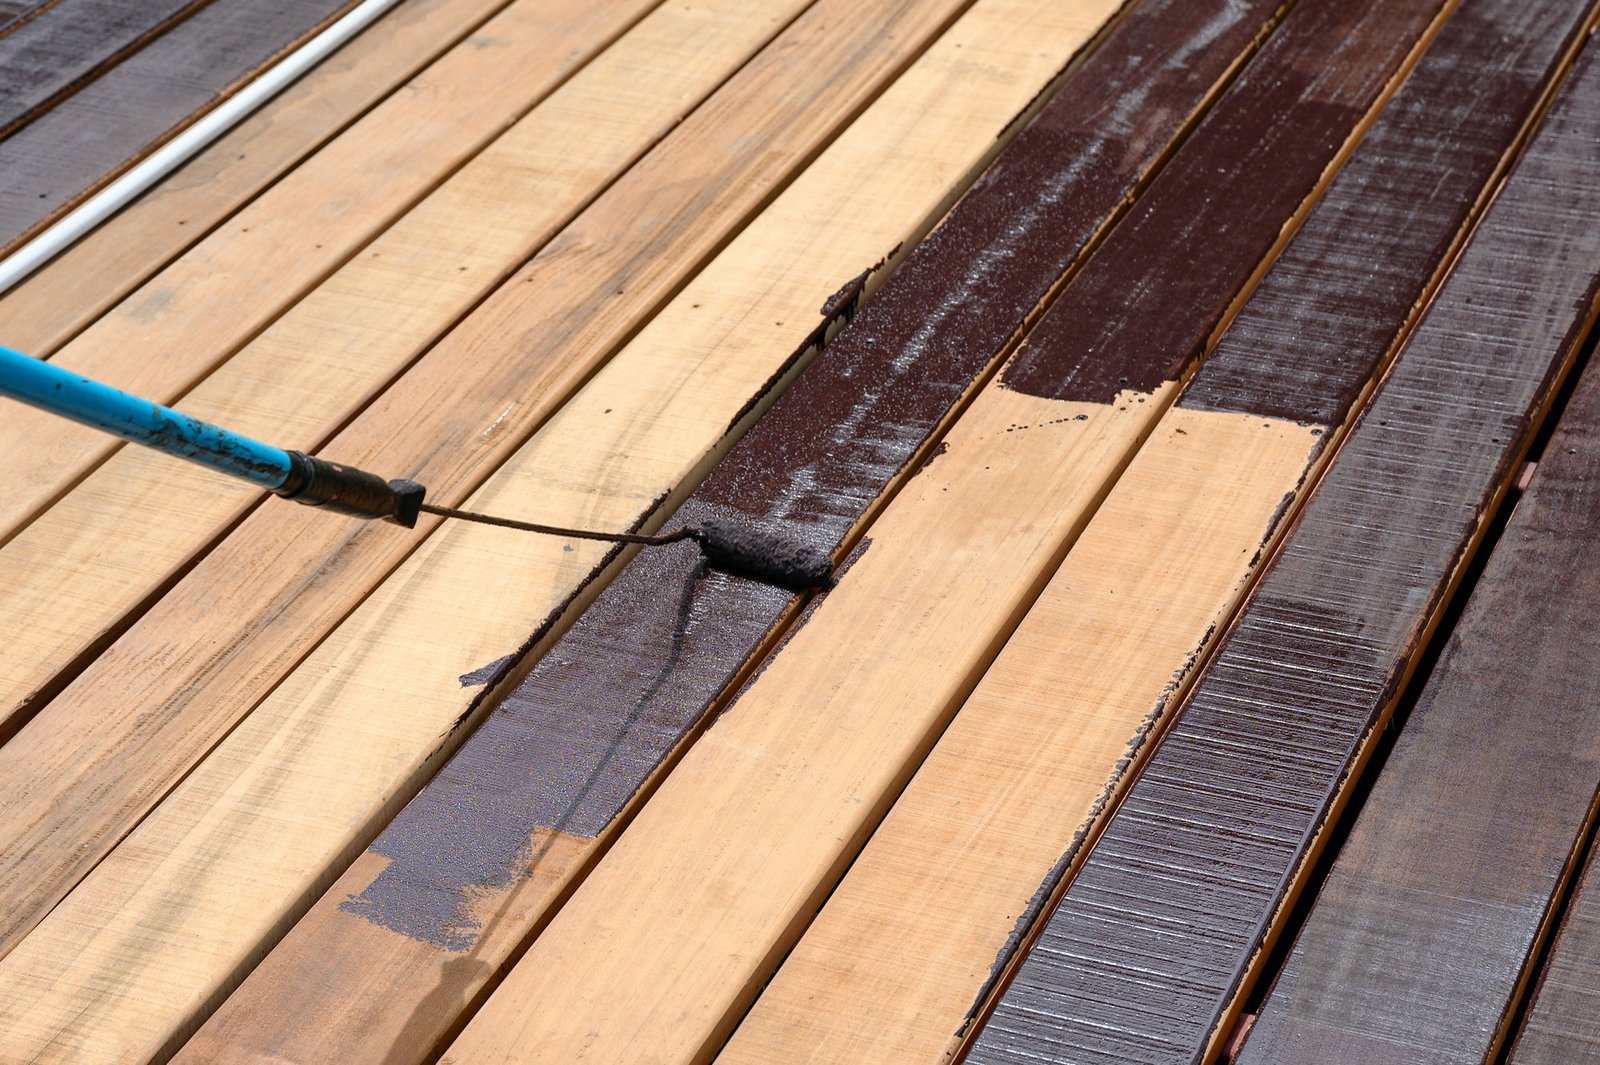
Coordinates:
(664, 945)
(186, 320)
(78, 574)
(14, 13)
(425, 977)
(66, 295)
(57, 51)
(201, 836)
(91, 136)
(1563, 1023)
(1024, 775)
(288, 575)
(1423, 933)
(1167, 920)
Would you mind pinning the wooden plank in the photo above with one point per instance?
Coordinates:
(14, 13)
(192, 316)
(68, 152)
(1563, 1025)
(1022, 778)
(727, 313)
(65, 296)
(289, 574)
(58, 51)
(655, 957)
(1167, 920)
(77, 576)
(1422, 934)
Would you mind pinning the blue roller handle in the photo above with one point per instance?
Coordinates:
(291, 474)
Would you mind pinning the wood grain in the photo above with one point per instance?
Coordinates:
(1561, 1025)
(288, 575)
(85, 140)
(118, 538)
(425, 977)
(85, 281)
(1164, 924)
(655, 957)
(56, 52)
(1422, 934)
(1022, 778)
(191, 317)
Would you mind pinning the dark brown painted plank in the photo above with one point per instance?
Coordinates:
(1563, 1024)
(61, 49)
(567, 751)
(1167, 919)
(53, 162)
(1418, 943)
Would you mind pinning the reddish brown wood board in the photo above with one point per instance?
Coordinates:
(572, 744)
(53, 162)
(64, 47)
(1563, 1024)
(1167, 920)
(1420, 937)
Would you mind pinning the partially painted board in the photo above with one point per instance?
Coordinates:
(72, 149)
(1166, 923)
(1022, 778)
(1563, 1024)
(1423, 932)
(565, 753)
(58, 50)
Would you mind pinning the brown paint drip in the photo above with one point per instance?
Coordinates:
(1156, 936)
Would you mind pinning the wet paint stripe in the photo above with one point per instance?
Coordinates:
(572, 744)
(1563, 1024)
(68, 151)
(1167, 920)
(1322, 335)
(1421, 937)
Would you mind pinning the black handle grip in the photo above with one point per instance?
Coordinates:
(347, 490)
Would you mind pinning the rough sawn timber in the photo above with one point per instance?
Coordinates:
(1025, 775)
(1563, 1023)
(1168, 918)
(178, 681)
(427, 979)
(665, 943)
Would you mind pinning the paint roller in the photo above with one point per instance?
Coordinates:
(741, 549)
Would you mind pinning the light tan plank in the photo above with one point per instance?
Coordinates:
(84, 772)
(220, 869)
(890, 967)
(71, 577)
(666, 942)
(190, 317)
(61, 299)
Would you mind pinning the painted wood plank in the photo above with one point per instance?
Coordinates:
(425, 981)
(1169, 916)
(69, 151)
(665, 943)
(289, 574)
(65, 296)
(192, 316)
(1420, 940)
(56, 52)
(1022, 778)
(75, 577)
(1563, 1024)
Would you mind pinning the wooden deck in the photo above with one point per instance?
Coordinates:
(1205, 677)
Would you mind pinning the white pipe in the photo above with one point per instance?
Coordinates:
(111, 199)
